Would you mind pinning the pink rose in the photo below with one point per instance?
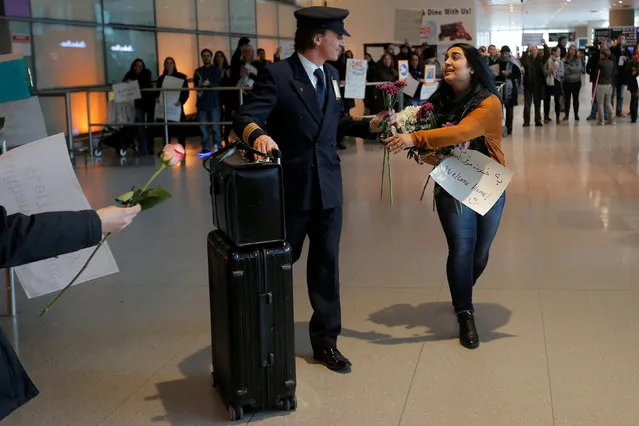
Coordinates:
(172, 154)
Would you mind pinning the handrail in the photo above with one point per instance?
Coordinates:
(66, 93)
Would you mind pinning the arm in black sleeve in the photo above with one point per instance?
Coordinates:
(25, 239)
(255, 112)
(184, 94)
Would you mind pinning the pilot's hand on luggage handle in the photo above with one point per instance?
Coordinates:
(265, 144)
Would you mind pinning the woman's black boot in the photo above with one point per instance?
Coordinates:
(468, 336)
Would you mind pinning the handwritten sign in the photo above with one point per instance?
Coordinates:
(173, 112)
(472, 178)
(355, 78)
(24, 121)
(38, 177)
(427, 91)
(127, 91)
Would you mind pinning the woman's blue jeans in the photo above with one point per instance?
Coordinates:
(469, 236)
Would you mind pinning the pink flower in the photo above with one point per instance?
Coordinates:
(172, 154)
(391, 88)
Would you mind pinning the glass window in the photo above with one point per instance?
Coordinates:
(138, 12)
(286, 20)
(122, 47)
(215, 43)
(67, 56)
(183, 49)
(267, 24)
(54, 112)
(213, 15)
(242, 14)
(71, 10)
(17, 8)
(175, 14)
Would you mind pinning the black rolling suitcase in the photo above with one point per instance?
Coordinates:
(252, 326)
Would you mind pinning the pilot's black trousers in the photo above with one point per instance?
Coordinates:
(323, 227)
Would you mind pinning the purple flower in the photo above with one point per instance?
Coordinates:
(425, 111)
(391, 89)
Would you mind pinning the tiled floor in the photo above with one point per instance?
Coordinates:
(556, 307)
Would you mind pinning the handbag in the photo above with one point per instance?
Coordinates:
(247, 194)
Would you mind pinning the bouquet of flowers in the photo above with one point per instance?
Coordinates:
(414, 118)
(390, 93)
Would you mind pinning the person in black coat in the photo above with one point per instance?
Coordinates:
(297, 108)
(170, 69)
(144, 107)
(26, 239)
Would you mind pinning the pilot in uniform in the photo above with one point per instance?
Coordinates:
(296, 107)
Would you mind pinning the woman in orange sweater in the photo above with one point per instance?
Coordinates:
(468, 98)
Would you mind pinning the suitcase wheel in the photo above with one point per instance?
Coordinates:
(288, 404)
(236, 413)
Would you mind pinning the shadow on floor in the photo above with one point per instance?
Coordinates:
(193, 400)
(432, 321)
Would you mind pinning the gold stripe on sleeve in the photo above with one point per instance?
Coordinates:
(248, 130)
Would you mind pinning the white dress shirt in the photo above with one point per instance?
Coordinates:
(310, 68)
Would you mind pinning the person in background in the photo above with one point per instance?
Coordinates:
(429, 57)
(25, 239)
(633, 88)
(604, 88)
(248, 69)
(592, 68)
(510, 75)
(483, 51)
(209, 108)
(369, 100)
(534, 82)
(236, 59)
(170, 69)
(416, 70)
(278, 55)
(404, 52)
(492, 58)
(554, 73)
(621, 55)
(220, 61)
(561, 44)
(145, 106)
(573, 66)
(467, 97)
(261, 59)
(384, 71)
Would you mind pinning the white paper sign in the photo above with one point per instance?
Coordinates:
(21, 44)
(533, 39)
(24, 122)
(173, 112)
(127, 91)
(38, 177)
(288, 49)
(355, 87)
(411, 86)
(427, 91)
(473, 179)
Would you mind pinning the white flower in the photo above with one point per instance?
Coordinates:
(406, 119)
